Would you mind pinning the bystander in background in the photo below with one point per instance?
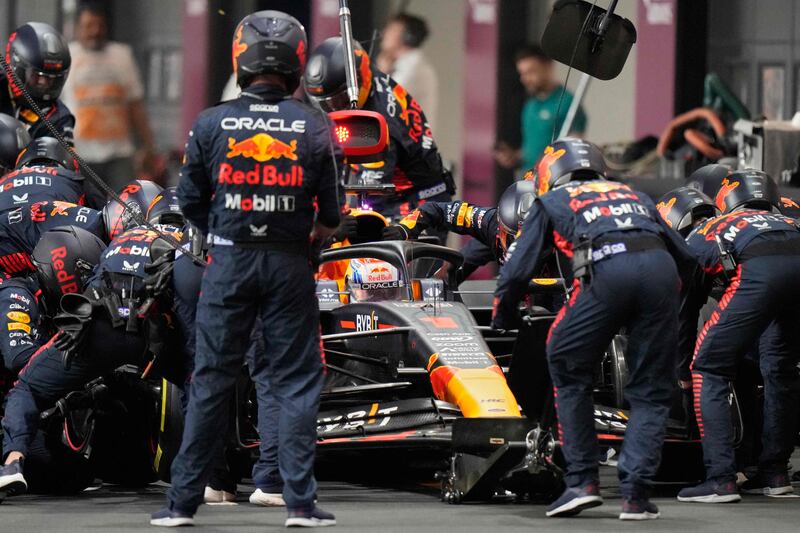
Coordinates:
(541, 112)
(105, 92)
(402, 58)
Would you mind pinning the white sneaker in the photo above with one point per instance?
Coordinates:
(218, 497)
(267, 499)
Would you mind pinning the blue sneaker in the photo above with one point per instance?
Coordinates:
(638, 509)
(774, 485)
(313, 517)
(711, 492)
(168, 517)
(11, 479)
(574, 500)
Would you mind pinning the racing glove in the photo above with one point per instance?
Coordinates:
(70, 336)
(71, 324)
(347, 229)
(159, 279)
(501, 319)
(395, 232)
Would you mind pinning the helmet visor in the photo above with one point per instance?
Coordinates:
(44, 85)
(335, 102)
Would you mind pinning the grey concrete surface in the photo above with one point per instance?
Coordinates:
(368, 509)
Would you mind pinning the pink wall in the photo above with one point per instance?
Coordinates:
(480, 108)
(195, 64)
(324, 21)
(655, 65)
(480, 102)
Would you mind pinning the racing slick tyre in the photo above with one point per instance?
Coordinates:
(124, 445)
(52, 468)
(170, 429)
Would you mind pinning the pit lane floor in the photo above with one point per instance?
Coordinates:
(366, 509)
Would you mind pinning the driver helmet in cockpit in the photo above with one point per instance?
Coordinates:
(372, 280)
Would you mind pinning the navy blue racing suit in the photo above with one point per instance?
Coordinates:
(759, 301)
(634, 283)
(266, 476)
(20, 229)
(28, 185)
(107, 345)
(57, 113)
(462, 218)
(21, 328)
(412, 161)
(459, 217)
(255, 167)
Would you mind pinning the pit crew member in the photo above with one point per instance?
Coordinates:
(45, 172)
(412, 161)
(39, 55)
(755, 251)
(254, 169)
(65, 258)
(625, 276)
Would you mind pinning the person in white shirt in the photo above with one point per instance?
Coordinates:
(105, 92)
(402, 58)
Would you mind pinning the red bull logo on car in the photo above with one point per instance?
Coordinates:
(262, 147)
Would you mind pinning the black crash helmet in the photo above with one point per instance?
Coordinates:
(566, 160)
(514, 204)
(64, 259)
(137, 195)
(39, 56)
(752, 189)
(46, 151)
(269, 42)
(324, 80)
(684, 207)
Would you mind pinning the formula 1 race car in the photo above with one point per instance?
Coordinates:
(418, 380)
(425, 372)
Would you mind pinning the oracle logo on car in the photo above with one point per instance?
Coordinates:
(66, 281)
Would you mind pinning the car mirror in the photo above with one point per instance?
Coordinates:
(599, 47)
(363, 135)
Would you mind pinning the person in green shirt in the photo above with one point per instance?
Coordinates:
(537, 75)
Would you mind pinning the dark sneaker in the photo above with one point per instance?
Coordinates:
(574, 500)
(314, 517)
(171, 518)
(11, 479)
(768, 485)
(711, 492)
(638, 509)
